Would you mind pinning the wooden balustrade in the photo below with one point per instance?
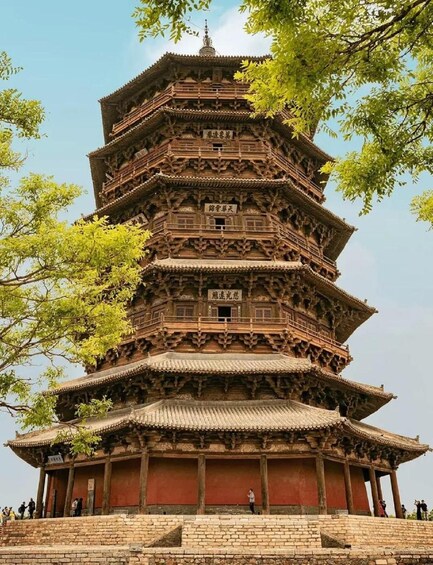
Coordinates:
(233, 232)
(218, 324)
(179, 91)
(158, 155)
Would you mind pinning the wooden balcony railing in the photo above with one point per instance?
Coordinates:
(181, 91)
(238, 325)
(178, 149)
(309, 250)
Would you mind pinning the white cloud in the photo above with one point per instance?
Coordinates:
(227, 33)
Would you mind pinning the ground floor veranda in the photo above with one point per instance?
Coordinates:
(202, 484)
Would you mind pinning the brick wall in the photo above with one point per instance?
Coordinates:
(251, 531)
(365, 531)
(175, 556)
(115, 529)
(66, 556)
(210, 531)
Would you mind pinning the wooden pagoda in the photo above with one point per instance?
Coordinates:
(232, 378)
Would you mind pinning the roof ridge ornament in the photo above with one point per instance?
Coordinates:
(207, 50)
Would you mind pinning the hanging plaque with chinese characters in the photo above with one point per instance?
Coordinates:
(222, 208)
(215, 134)
(224, 295)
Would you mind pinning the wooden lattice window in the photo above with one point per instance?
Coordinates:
(185, 222)
(262, 313)
(185, 311)
(255, 223)
(158, 314)
(139, 320)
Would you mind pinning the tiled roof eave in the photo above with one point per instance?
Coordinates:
(87, 382)
(174, 265)
(396, 441)
(176, 58)
(335, 422)
(222, 181)
(238, 115)
(143, 418)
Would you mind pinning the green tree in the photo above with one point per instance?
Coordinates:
(64, 288)
(365, 65)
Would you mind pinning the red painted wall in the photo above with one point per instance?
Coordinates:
(58, 482)
(172, 481)
(82, 475)
(335, 488)
(228, 481)
(292, 482)
(125, 483)
(359, 490)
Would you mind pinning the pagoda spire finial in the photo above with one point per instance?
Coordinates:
(207, 50)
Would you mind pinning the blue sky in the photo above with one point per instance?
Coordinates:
(74, 53)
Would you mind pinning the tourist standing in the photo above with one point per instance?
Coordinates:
(32, 507)
(21, 510)
(79, 508)
(403, 511)
(251, 500)
(74, 507)
(418, 510)
(424, 511)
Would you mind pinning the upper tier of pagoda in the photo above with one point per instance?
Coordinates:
(186, 115)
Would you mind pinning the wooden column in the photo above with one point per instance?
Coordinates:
(374, 493)
(348, 488)
(396, 494)
(69, 489)
(379, 487)
(40, 494)
(47, 494)
(321, 485)
(201, 484)
(144, 473)
(107, 486)
(264, 482)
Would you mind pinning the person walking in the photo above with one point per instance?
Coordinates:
(79, 508)
(21, 510)
(424, 510)
(74, 507)
(251, 500)
(32, 507)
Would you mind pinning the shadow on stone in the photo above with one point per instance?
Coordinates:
(172, 539)
(329, 541)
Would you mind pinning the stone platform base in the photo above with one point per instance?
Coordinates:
(228, 532)
(219, 540)
(124, 555)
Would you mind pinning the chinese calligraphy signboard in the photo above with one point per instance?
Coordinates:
(214, 208)
(226, 295)
(222, 134)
